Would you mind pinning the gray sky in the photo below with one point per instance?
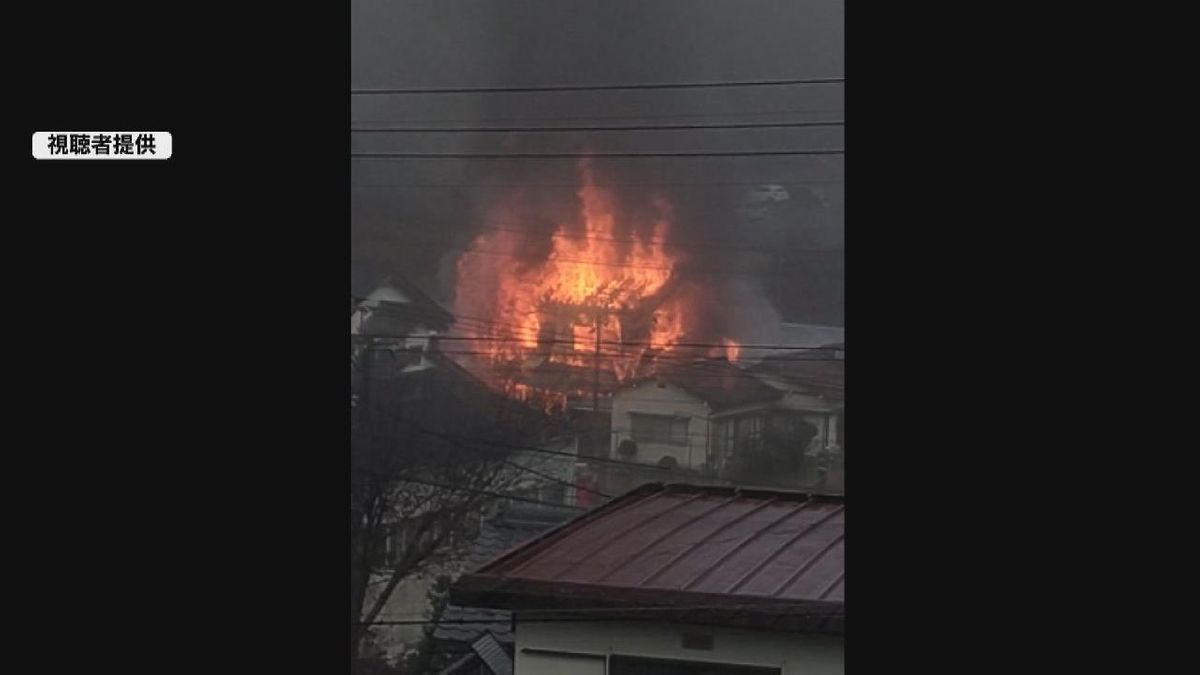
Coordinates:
(465, 43)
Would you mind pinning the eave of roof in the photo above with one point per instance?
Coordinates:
(536, 596)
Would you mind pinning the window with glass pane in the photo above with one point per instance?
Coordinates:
(664, 429)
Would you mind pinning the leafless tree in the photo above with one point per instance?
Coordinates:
(429, 451)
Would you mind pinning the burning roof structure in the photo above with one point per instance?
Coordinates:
(594, 298)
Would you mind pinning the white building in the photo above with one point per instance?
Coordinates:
(677, 580)
(718, 419)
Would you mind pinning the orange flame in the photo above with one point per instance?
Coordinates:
(547, 401)
(592, 291)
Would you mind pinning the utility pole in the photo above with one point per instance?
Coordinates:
(364, 398)
(598, 435)
(596, 370)
(359, 574)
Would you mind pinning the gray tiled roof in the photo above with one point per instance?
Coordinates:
(504, 532)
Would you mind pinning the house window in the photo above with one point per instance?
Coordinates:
(635, 665)
(664, 429)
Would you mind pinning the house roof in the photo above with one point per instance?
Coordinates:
(810, 335)
(416, 303)
(517, 525)
(753, 558)
(717, 382)
(821, 374)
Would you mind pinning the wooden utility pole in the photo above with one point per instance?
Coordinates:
(364, 398)
(359, 562)
(596, 371)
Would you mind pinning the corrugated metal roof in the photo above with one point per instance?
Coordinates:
(493, 654)
(681, 546)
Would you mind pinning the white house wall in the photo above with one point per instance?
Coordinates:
(650, 399)
(565, 646)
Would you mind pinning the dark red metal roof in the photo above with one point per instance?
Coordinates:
(747, 553)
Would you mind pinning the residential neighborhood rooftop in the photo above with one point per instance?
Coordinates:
(750, 557)
(496, 536)
(817, 373)
(715, 381)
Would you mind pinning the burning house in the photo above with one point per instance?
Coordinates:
(568, 311)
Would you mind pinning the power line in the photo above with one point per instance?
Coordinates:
(504, 341)
(529, 448)
(576, 457)
(458, 317)
(699, 242)
(590, 459)
(666, 355)
(575, 118)
(627, 127)
(576, 186)
(679, 361)
(478, 491)
(806, 386)
(526, 448)
(619, 343)
(443, 232)
(599, 87)
(561, 614)
(557, 480)
(694, 377)
(522, 332)
(676, 359)
(682, 268)
(553, 479)
(698, 379)
(547, 451)
(463, 318)
(697, 373)
(817, 151)
(518, 335)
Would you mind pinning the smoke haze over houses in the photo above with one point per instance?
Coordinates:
(417, 214)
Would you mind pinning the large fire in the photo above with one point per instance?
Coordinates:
(597, 290)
